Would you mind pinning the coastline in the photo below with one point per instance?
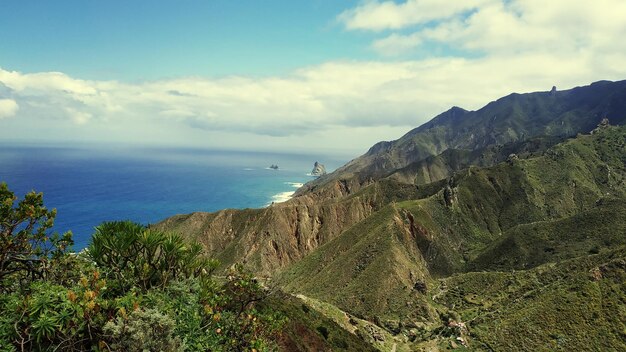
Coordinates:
(285, 196)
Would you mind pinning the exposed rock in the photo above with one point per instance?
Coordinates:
(604, 123)
(471, 130)
(290, 230)
(395, 326)
(274, 167)
(318, 169)
(420, 286)
(449, 195)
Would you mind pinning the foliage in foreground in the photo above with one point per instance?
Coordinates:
(133, 289)
(27, 251)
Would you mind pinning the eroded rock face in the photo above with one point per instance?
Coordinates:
(268, 239)
(318, 169)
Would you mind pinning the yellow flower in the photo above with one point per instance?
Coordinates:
(89, 295)
(71, 296)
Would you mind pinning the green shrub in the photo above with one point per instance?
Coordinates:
(27, 249)
(133, 255)
(142, 330)
(323, 331)
(134, 289)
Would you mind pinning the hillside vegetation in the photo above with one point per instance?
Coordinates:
(524, 200)
(520, 214)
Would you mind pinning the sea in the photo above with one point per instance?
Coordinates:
(89, 185)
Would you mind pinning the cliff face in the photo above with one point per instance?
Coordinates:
(271, 238)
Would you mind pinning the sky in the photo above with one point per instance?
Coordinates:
(318, 75)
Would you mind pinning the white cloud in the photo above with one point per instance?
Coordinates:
(396, 44)
(8, 108)
(374, 15)
(298, 109)
(501, 27)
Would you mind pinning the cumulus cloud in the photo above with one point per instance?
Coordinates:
(8, 108)
(496, 27)
(376, 16)
(317, 98)
(532, 26)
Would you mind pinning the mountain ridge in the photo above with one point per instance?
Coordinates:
(522, 116)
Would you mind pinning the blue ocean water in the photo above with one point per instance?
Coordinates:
(88, 186)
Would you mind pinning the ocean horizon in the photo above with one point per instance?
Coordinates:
(88, 186)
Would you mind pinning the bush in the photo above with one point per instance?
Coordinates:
(134, 289)
(133, 255)
(27, 250)
(53, 316)
(323, 331)
(142, 330)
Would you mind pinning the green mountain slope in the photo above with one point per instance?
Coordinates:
(444, 165)
(575, 305)
(519, 214)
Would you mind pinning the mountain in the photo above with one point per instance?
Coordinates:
(516, 117)
(515, 215)
(538, 241)
(270, 239)
(497, 229)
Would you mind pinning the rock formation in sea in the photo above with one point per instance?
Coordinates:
(318, 169)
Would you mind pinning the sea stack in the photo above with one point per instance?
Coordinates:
(318, 169)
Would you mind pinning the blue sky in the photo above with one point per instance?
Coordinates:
(138, 40)
(284, 75)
